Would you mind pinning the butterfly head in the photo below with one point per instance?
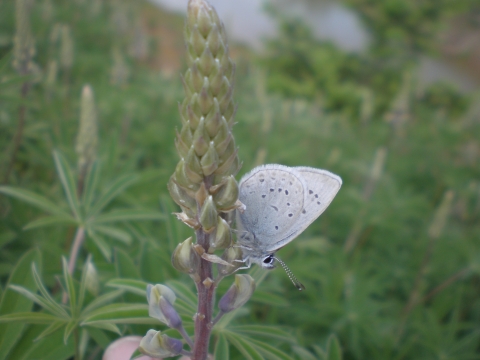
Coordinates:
(268, 261)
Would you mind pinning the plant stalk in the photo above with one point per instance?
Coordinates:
(206, 292)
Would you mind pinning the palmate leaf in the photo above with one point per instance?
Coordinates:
(105, 326)
(112, 191)
(247, 348)
(114, 233)
(269, 351)
(256, 331)
(12, 302)
(71, 325)
(36, 200)
(100, 301)
(102, 245)
(29, 318)
(54, 326)
(138, 287)
(128, 215)
(39, 300)
(222, 348)
(51, 220)
(56, 308)
(91, 182)
(68, 184)
(72, 297)
(120, 314)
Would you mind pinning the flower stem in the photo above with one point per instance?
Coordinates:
(206, 294)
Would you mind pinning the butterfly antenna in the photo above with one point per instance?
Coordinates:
(292, 277)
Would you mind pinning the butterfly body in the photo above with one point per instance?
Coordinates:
(281, 202)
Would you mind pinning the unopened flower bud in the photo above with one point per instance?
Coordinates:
(233, 255)
(87, 139)
(210, 160)
(193, 169)
(156, 345)
(182, 179)
(91, 279)
(201, 139)
(227, 196)
(184, 258)
(181, 197)
(222, 238)
(157, 296)
(238, 294)
(208, 215)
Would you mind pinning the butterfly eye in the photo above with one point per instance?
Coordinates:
(268, 260)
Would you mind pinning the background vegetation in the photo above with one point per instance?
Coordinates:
(392, 268)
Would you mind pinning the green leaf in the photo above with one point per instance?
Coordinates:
(83, 283)
(68, 183)
(54, 307)
(114, 233)
(184, 292)
(304, 354)
(125, 267)
(102, 245)
(100, 301)
(99, 336)
(265, 297)
(106, 326)
(39, 300)
(115, 189)
(51, 220)
(138, 287)
(50, 329)
(270, 351)
(255, 331)
(72, 324)
(91, 182)
(247, 349)
(334, 350)
(29, 318)
(129, 215)
(12, 301)
(120, 314)
(221, 348)
(51, 347)
(33, 199)
(72, 297)
(6, 237)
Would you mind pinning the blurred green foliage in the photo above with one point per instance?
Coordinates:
(392, 268)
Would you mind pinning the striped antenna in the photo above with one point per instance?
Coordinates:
(292, 277)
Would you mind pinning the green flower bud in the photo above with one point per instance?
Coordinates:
(208, 215)
(238, 294)
(91, 279)
(222, 238)
(213, 119)
(156, 345)
(201, 139)
(205, 98)
(233, 255)
(223, 137)
(193, 168)
(185, 258)
(87, 138)
(210, 160)
(181, 178)
(227, 195)
(181, 197)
